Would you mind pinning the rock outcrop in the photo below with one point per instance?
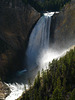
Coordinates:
(63, 27)
(16, 22)
(4, 91)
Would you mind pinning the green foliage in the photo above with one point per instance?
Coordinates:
(57, 94)
(56, 82)
(47, 5)
(73, 95)
(25, 2)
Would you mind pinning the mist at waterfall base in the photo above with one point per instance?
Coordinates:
(19, 82)
(38, 56)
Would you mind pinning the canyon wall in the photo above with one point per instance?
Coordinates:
(63, 27)
(16, 22)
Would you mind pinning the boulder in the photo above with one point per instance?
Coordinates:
(4, 91)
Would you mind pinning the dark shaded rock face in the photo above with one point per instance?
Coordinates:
(11, 3)
(15, 26)
(63, 27)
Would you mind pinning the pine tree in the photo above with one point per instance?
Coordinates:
(73, 95)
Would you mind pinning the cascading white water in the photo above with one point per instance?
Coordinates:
(39, 39)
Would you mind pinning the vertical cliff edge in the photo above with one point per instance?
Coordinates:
(63, 27)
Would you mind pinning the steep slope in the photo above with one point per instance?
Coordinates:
(16, 22)
(55, 83)
(63, 27)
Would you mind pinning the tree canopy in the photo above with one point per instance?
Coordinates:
(57, 82)
(47, 5)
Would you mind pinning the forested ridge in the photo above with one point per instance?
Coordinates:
(55, 83)
(47, 5)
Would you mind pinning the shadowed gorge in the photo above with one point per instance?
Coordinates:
(15, 26)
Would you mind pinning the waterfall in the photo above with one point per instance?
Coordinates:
(39, 39)
(38, 53)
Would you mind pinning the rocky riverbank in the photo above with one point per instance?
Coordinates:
(4, 91)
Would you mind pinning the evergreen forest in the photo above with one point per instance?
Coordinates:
(47, 5)
(55, 83)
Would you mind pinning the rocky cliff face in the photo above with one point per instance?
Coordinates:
(63, 27)
(11, 3)
(16, 22)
